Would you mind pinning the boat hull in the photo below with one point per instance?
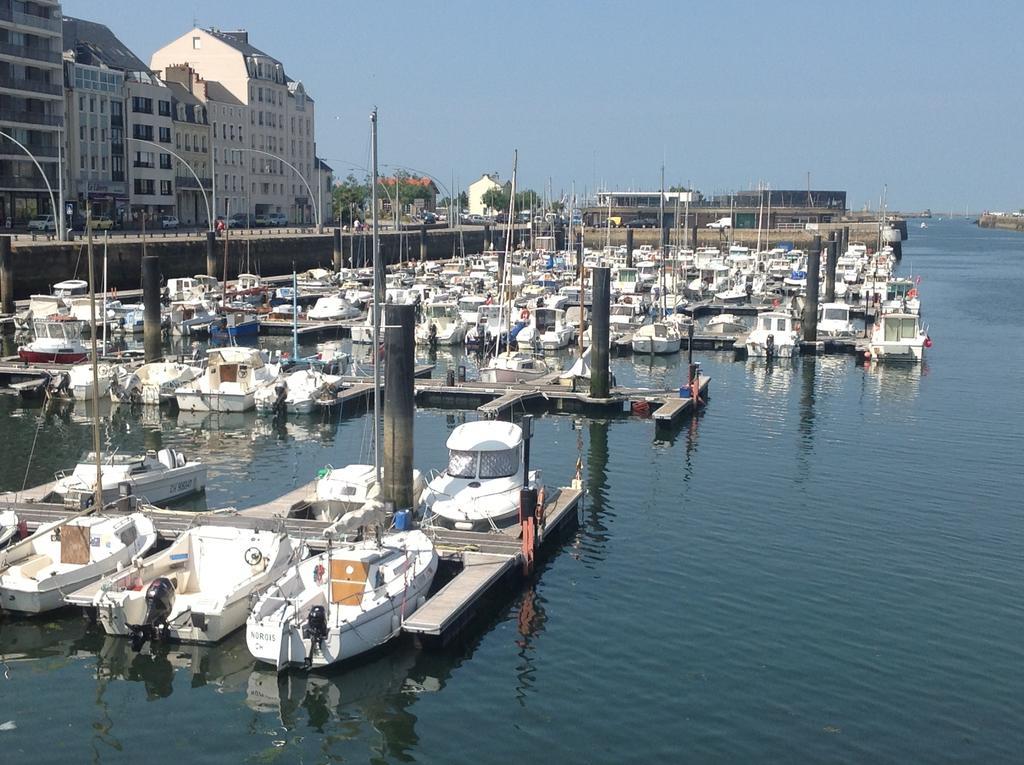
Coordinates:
(197, 401)
(51, 357)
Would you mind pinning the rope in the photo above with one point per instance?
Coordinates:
(24, 481)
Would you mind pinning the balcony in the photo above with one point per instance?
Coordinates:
(30, 86)
(37, 149)
(49, 23)
(30, 51)
(21, 182)
(187, 183)
(33, 118)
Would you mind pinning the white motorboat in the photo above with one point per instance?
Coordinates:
(725, 324)
(899, 337)
(332, 308)
(625, 317)
(441, 324)
(191, 317)
(773, 336)
(58, 340)
(296, 392)
(60, 557)
(80, 379)
(363, 333)
(513, 367)
(198, 590)
(479, 488)
(342, 602)
(159, 477)
(834, 321)
(658, 337)
(153, 383)
(469, 308)
(229, 384)
(8, 527)
(343, 490)
(548, 331)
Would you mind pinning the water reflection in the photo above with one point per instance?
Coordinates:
(595, 534)
(530, 620)
(894, 381)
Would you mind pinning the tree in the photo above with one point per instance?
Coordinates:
(678, 188)
(349, 198)
(496, 198)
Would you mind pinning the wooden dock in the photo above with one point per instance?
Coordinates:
(451, 604)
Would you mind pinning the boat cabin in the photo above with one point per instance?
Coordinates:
(775, 322)
(898, 327)
(484, 450)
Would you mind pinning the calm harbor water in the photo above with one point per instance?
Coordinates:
(824, 566)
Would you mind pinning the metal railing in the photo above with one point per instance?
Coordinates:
(50, 23)
(185, 183)
(20, 182)
(33, 118)
(30, 51)
(32, 86)
(40, 150)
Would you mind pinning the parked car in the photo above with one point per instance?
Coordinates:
(168, 221)
(429, 217)
(101, 223)
(262, 219)
(42, 223)
(721, 223)
(642, 223)
(239, 220)
(277, 219)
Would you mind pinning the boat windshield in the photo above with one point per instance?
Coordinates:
(900, 329)
(836, 314)
(499, 464)
(461, 464)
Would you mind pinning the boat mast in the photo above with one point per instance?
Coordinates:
(377, 302)
(98, 488)
(505, 285)
(661, 238)
(295, 315)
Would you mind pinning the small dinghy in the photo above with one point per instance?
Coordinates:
(60, 557)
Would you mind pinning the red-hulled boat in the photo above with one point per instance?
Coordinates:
(58, 340)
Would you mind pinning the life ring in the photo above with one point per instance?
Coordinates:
(912, 293)
(525, 314)
(243, 372)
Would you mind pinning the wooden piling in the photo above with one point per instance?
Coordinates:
(211, 254)
(831, 261)
(152, 338)
(423, 244)
(339, 254)
(599, 373)
(629, 248)
(399, 407)
(488, 241)
(6, 275)
(810, 317)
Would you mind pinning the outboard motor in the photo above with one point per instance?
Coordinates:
(159, 603)
(432, 335)
(281, 400)
(769, 347)
(315, 631)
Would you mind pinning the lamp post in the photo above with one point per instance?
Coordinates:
(319, 223)
(58, 214)
(206, 198)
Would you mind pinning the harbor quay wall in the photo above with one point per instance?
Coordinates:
(1008, 222)
(37, 265)
(595, 238)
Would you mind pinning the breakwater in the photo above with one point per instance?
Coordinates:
(1007, 222)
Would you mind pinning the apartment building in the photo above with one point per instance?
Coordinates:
(262, 118)
(192, 145)
(150, 134)
(31, 107)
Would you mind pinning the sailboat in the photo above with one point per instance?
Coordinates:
(660, 336)
(354, 596)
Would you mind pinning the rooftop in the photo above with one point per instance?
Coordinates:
(96, 45)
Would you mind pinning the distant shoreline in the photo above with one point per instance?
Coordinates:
(1008, 222)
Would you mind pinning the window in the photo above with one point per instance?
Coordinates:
(165, 188)
(164, 108)
(204, 143)
(81, 133)
(81, 103)
(143, 159)
(214, 129)
(92, 104)
(197, 43)
(499, 464)
(177, 141)
(117, 168)
(142, 105)
(232, 132)
(144, 132)
(461, 464)
(92, 134)
(81, 162)
(103, 107)
(165, 135)
(103, 163)
(144, 186)
(259, 94)
(103, 134)
(165, 161)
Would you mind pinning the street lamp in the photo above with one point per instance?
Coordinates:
(319, 223)
(58, 215)
(206, 198)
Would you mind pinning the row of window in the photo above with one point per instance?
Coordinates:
(144, 105)
(94, 79)
(148, 158)
(115, 106)
(147, 186)
(190, 143)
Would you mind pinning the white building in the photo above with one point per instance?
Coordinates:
(476, 192)
(31, 106)
(263, 124)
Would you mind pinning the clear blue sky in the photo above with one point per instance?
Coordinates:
(921, 96)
